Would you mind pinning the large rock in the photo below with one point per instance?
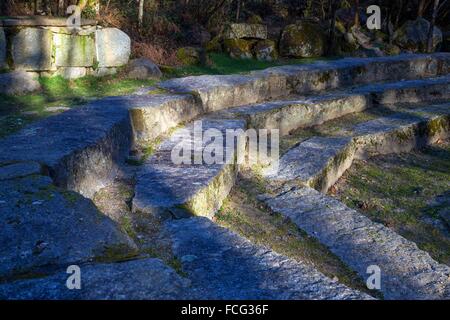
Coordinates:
(239, 48)
(73, 50)
(44, 226)
(18, 82)
(266, 50)
(245, 31)
(2, 48)
(113, 47)
(302, 40)
(188, 56)
(413, 35)
(32, 49)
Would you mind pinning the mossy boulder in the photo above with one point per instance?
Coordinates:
(245, 31)
(392, 50)
(412, 35)
(188, 55)
(255, 19)
(214, 45)
(265, 50)
(302, 40)
(239, 48)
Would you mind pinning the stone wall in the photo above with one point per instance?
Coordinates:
(49, 48)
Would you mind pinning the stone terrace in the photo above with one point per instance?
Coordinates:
(52, 168)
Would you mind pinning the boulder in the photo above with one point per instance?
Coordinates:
(143, 69)
(214, 45)
(104, 71)
(2, 49)
(245, 31)
(73, 50)
(113, 47)
(44, 227)
(18, 82)
(32, 49)
(188, 55)
(266, 50)
(255, 19)
(302, 40)
(412, 35)
(239, 48)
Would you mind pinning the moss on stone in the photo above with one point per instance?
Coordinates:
(239, 48)
(188, 56)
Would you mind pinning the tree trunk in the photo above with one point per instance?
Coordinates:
(238, 10)
(432, 23)
(334, 4)
(421, 8)
(356, 13)
(141, 14)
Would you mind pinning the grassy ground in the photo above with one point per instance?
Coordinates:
(244, 214)
(18, 111)
(400, 191)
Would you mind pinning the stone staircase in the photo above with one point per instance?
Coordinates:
(83, 149)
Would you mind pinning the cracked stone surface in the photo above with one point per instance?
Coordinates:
(44, 227)
(223, 265)
(144, 279)
(166, 189)
(406, 271)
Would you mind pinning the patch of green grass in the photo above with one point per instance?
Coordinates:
(221, 63)
(396, 190)
(244, 214)
(18, 111)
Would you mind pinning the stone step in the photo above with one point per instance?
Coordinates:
(320, 161)
(144, 279)
(166, 189)
(44, 227)
(223, 265)
(225, 91)
(304, 112)
(82, 149)
(406, 271)
(409, 91)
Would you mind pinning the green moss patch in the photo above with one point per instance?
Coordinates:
(397, 191)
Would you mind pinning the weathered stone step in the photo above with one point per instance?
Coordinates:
(167, 189)
(223, 265)
(144, 279)
(406, 271)
(299, 113)
(306, 112)
(81, 149)
(221, 92)
(320, 161)
(409, 91)
(44, 227)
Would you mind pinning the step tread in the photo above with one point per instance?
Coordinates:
(407, 272)
(224, 265)
(163, 185)
(310, 158)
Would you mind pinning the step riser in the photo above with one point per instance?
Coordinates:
(149, 122)
(291, 116)
(188, 190)
(401, 140)
(438, 92)
(222, 92)
(294, 116)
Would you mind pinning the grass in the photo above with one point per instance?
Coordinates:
(18, 111)
(221, 63)
(398, 190)
(244, 214)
